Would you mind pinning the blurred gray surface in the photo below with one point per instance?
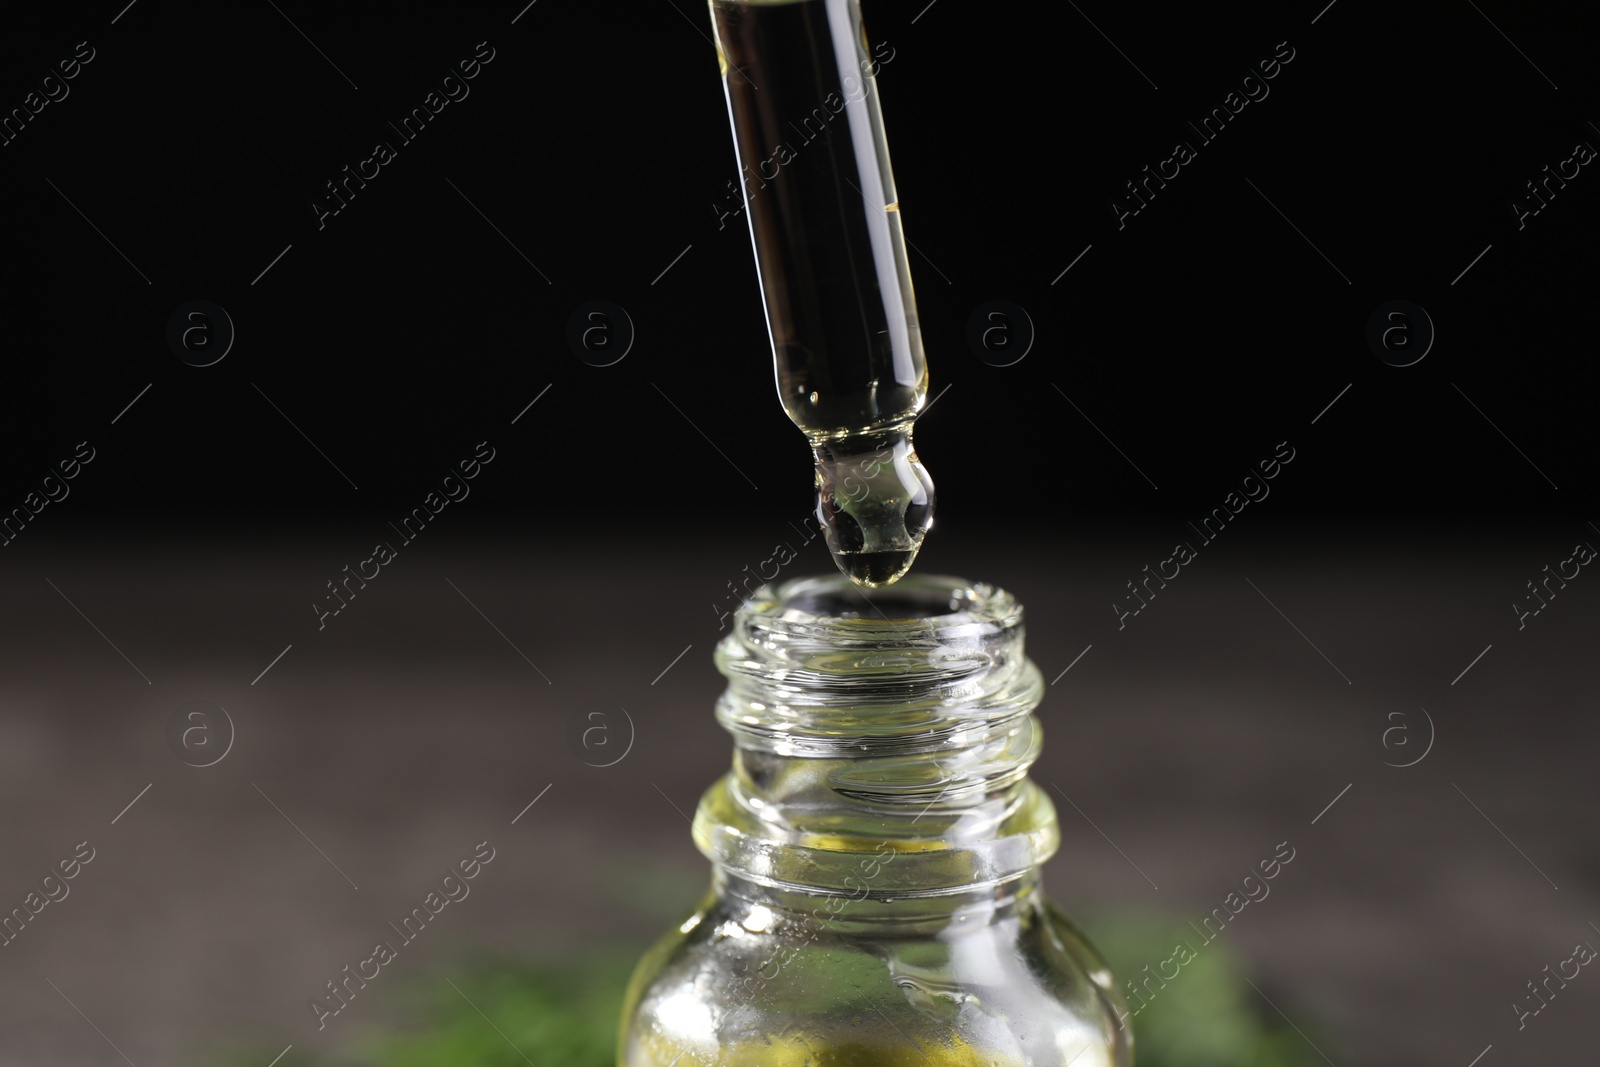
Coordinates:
(1214, 726)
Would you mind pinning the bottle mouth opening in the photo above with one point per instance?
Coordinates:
(833, 600)
(921, 646)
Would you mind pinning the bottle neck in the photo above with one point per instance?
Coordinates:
(881, 747)
(760, 908)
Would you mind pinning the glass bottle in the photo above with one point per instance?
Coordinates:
(876, 896)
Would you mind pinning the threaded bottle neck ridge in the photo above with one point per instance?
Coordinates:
(881, 745)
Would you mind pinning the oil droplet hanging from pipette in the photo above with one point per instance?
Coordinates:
(875, 503)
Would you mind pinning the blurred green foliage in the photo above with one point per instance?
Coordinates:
(564, 1013)
(1207, 1016)
(557, 1015)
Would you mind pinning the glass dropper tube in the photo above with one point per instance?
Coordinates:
(825, 223)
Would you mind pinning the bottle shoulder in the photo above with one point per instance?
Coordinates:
(1021, 987)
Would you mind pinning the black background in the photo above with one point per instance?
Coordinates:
(408, 329)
